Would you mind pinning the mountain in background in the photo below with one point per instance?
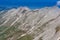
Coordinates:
(25, 24)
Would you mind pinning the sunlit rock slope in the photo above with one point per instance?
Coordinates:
(26, 24)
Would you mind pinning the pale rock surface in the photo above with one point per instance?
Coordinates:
(43, 24)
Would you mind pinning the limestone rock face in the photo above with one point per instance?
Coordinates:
(26, 24)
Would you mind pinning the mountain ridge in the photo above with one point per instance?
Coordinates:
(26, 24)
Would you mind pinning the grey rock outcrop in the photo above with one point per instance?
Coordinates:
(43, 24)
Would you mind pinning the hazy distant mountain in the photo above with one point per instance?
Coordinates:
(26, 24)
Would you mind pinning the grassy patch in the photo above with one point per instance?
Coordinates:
(27, 37)
(2, 28)
(12, 31)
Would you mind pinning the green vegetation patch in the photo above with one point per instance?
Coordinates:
(27, 37)
(9, 32)
(2, 28)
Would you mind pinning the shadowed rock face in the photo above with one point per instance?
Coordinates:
(25, 24)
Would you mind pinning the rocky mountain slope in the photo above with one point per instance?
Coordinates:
(26, 24)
